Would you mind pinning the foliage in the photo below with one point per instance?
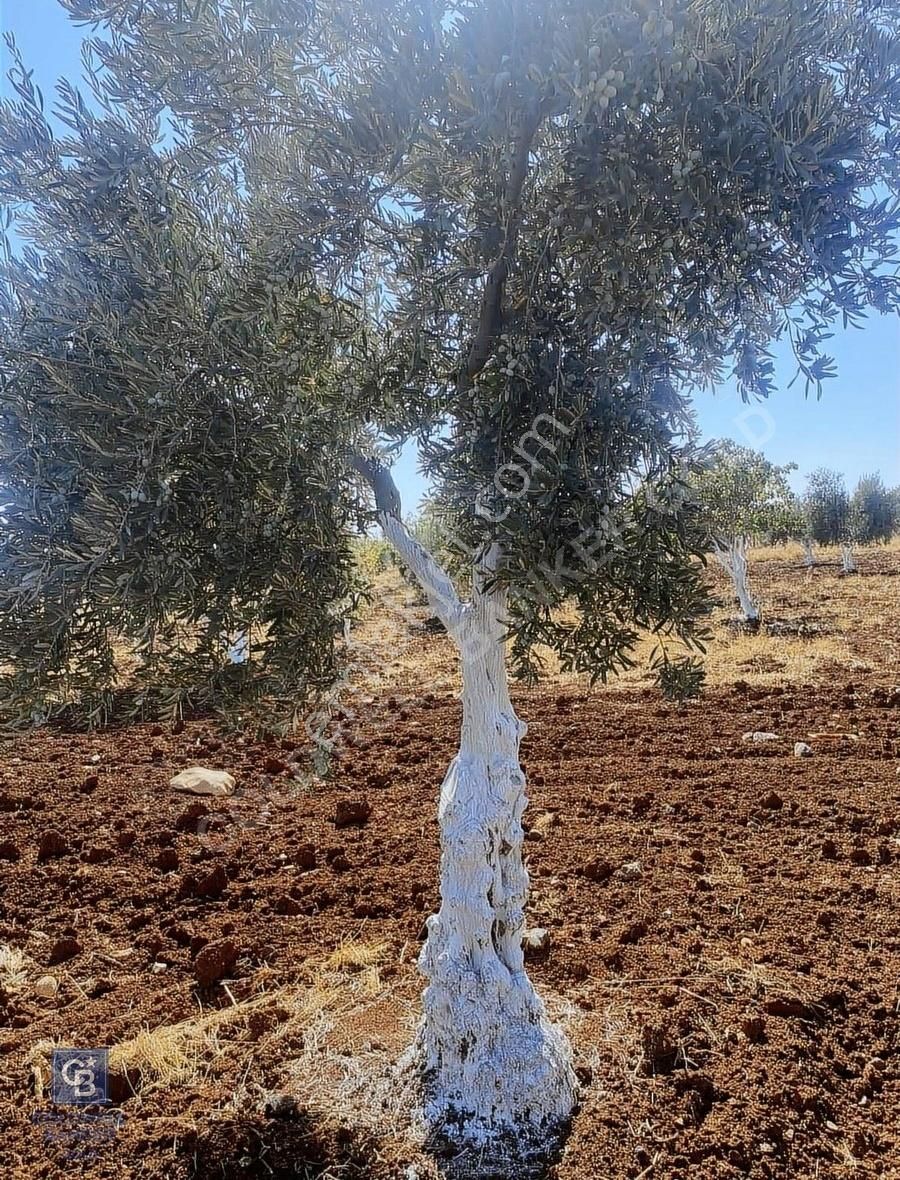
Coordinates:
(743, 496)
(372, 556)
(827, 507)
(518, 232)
(680, 679)
(873, 510)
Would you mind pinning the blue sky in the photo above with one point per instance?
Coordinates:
(855, 427)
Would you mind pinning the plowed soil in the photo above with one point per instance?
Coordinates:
(723, 918)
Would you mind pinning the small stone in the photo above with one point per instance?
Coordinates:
(89, 784)
(802, 750)
(158, 968)
(200, 780)
(536, 942)
(631, 870)
(215, 961)
(773, 801)
(352, 812)
(760, 735)
(46, 987)
(52, 845)
(95, 759)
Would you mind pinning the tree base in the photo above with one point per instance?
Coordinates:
(508, 1078)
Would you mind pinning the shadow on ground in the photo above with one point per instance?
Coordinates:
(299, 1146)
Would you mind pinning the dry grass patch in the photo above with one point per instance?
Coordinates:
(14, 969)
(297, 1018)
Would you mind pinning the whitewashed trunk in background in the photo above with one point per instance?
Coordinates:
(847, 559)
(733, 559)
(807, 552)
(490, 1059)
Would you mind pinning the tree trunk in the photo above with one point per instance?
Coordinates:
(733, 559)
(808, 552)
(492, 1061)
(847, 559)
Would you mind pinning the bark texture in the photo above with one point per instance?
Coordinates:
(848, 562)
(491, 1060)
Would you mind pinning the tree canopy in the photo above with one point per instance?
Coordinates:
(744, 496)
(873, 510)
(278, 240)
(827, 507)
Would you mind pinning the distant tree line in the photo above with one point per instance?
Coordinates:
(748, 500)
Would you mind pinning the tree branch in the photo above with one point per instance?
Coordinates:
(437, 584)
(490, 318)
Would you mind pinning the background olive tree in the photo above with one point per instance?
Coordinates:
(827, 507)
(873, 511)
(282, 239)
(744, 499)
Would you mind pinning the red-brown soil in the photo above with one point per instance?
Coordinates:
(733, 1001)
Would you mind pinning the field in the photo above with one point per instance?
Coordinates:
(722, 914)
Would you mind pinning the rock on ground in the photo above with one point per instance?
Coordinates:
(200, 780)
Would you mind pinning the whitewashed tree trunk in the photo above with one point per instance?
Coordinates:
(733, 559)
(491, 1060)
(848, 561)
(808, 560)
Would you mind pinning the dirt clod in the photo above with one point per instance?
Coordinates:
(352, 812)
(215, 961)
(53, 844)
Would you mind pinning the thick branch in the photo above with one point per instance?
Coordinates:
(490, 319)
(438, 587)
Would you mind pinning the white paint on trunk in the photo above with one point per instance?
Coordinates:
(848, 561)
(733, 559)
(490, 1058)
(808, 552)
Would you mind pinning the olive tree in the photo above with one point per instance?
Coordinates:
(827, 507)
(280, 239)
(873, 511)
(744, 498)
